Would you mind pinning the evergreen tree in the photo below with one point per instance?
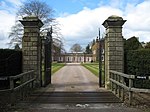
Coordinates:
(132, 44)
(93, 43)
(147, 45)
(88, 49)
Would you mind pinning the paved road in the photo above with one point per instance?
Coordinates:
(74, 77)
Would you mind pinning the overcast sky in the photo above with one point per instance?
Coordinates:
(80, 19)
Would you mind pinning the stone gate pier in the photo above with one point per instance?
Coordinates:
(31, 46)
(114, 46)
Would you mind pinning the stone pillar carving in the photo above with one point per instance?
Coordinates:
(31, 46)
(114, 49)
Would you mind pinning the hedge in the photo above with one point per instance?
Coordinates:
(137, 62)
(10, 65)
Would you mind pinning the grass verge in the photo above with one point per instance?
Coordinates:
(56, 67)
(94, 68)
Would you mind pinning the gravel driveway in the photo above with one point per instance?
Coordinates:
(74, 77)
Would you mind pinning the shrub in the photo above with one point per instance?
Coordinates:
(10, 64)
(137, 62)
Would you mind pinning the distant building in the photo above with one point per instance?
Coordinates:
(95, 50)
(78, 57)
(75, 57)
(56, 52)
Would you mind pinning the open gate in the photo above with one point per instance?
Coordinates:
(101, 61)
(47, 50)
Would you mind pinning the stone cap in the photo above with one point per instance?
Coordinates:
(114, 17)
(32, 21)
(31, 18)
(113, 20)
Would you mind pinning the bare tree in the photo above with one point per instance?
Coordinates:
(76, 48)
(16, 34)
(39, 9)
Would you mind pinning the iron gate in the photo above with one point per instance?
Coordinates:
(47, 58)
(101, 61)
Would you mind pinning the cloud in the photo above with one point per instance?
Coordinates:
(7, 19)
(138, 21)
(15, 2)
(10, 5)
(139, 17)
(82, 27)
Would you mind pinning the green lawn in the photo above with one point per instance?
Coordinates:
(57, 66)
(94, 68)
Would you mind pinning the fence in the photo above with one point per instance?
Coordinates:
(118, 85)
(20, 91)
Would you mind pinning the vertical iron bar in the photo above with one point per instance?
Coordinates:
(104, 60)
(100, 62)
(50, 50)
(45, 62)
(41, 81)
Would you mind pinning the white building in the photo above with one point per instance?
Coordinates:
(75, 57)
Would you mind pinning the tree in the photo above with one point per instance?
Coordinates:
(132, 44)
(16, 34)
(88, 49)
(34, 8)
(76, 48)
(147, 45)
(93, 42)
(17, 47)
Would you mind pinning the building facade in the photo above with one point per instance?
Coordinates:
(79, 57)
(75, 57)
(95, 50)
